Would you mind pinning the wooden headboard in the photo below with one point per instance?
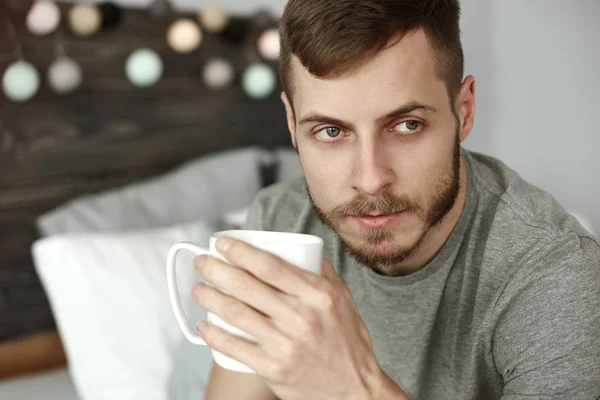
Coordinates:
(108, 133)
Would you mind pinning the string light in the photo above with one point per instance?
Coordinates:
(43, 17)
(213, 18)
(64, 74)
(143, 67)
(258, 81)
(184, 36)
(85, 19)
(268, 44)
(218, 73)
(20, 80)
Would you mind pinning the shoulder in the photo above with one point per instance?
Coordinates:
(525, 205)
(280, 206)
(543, 261)
(522, 223)
(564, 268)
(293, 191)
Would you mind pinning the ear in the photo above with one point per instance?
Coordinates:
(291, 122)
(465, 106)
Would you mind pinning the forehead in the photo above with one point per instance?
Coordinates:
(400, 73)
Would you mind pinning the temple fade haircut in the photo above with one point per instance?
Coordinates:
(334, 37)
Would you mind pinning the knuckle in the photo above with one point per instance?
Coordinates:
(289, 352)
(278, 371)
(269, 270)
(326, 297)
(282, 362)
(326, 303)
(308, 321)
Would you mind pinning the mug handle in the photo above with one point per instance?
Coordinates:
(189, 333)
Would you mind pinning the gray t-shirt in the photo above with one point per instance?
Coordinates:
(508, 309)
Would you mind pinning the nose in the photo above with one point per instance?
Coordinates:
(372, 173)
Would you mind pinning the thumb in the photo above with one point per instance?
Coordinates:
(328, 271)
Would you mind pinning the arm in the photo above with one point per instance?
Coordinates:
(224, 385)
(546, 344)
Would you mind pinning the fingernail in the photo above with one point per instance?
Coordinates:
(195, 290)
(223, 244)
(200, 259)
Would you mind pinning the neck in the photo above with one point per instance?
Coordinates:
(435, 237)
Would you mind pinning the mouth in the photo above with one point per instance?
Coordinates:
(378, 220)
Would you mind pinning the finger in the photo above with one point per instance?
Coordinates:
(267, 267)
(243, 286)
(234, 312)
(232, 346)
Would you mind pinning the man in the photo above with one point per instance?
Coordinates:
(446, 276)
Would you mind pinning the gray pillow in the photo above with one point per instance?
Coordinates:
(204, 188)
(288, 165)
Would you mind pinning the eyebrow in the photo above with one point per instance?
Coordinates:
(398, 112)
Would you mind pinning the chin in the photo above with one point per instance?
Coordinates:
(387, 243)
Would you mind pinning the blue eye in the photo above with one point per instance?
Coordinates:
(408, 127)
(331, 132)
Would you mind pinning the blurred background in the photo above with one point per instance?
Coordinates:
(109, 109)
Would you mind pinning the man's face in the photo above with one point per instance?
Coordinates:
(380, 150)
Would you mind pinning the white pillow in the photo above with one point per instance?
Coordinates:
(109, 297)
(205, 188)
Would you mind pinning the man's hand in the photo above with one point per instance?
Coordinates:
(311, 340)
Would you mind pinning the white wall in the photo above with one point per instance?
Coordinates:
(537, 70)
(545, 85)
(475, 17)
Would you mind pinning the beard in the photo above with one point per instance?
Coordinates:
(369, 253)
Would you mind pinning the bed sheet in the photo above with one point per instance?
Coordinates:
(48, 385)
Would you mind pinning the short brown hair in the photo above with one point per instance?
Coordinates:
(330, 37)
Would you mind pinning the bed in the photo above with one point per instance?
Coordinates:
(109, 138)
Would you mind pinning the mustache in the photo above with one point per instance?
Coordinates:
(387, 203)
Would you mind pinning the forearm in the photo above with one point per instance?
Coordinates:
(224, 384)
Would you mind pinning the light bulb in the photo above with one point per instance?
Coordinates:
(184, 36)
(43, 17)
(144, 67)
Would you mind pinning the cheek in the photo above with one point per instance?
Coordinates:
(425, 166)
(327, 176)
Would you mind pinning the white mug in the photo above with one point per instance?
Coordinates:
(300, 250)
